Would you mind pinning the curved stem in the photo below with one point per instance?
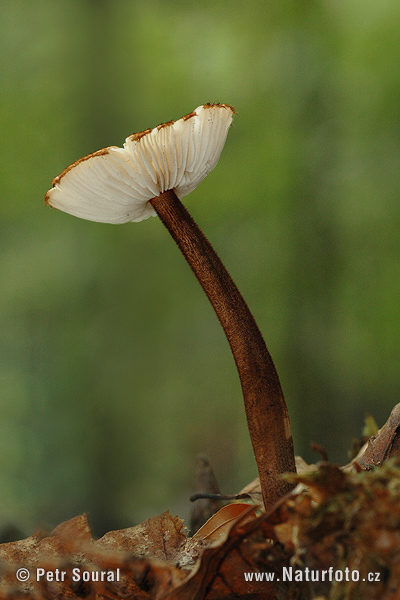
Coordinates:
(266, 410)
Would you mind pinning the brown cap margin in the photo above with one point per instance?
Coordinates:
(57, 179)
(135, 137)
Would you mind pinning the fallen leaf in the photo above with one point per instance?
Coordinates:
(160, 537)
(221, 523)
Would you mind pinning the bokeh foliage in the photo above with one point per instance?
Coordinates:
(114, 372)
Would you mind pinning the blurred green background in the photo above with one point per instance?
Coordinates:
(114, 372)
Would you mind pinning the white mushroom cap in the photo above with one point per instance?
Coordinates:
(114, 185)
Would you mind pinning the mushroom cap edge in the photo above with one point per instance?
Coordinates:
(114, 185)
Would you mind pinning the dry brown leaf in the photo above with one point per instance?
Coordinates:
(220, 572)
(160, 537)
(70, 546)
(221, 523)
(214, 532)
(333, 519)
(61, 540)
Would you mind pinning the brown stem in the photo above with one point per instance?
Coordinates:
(266, 410)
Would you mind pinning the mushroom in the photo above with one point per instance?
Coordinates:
(147, 177)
